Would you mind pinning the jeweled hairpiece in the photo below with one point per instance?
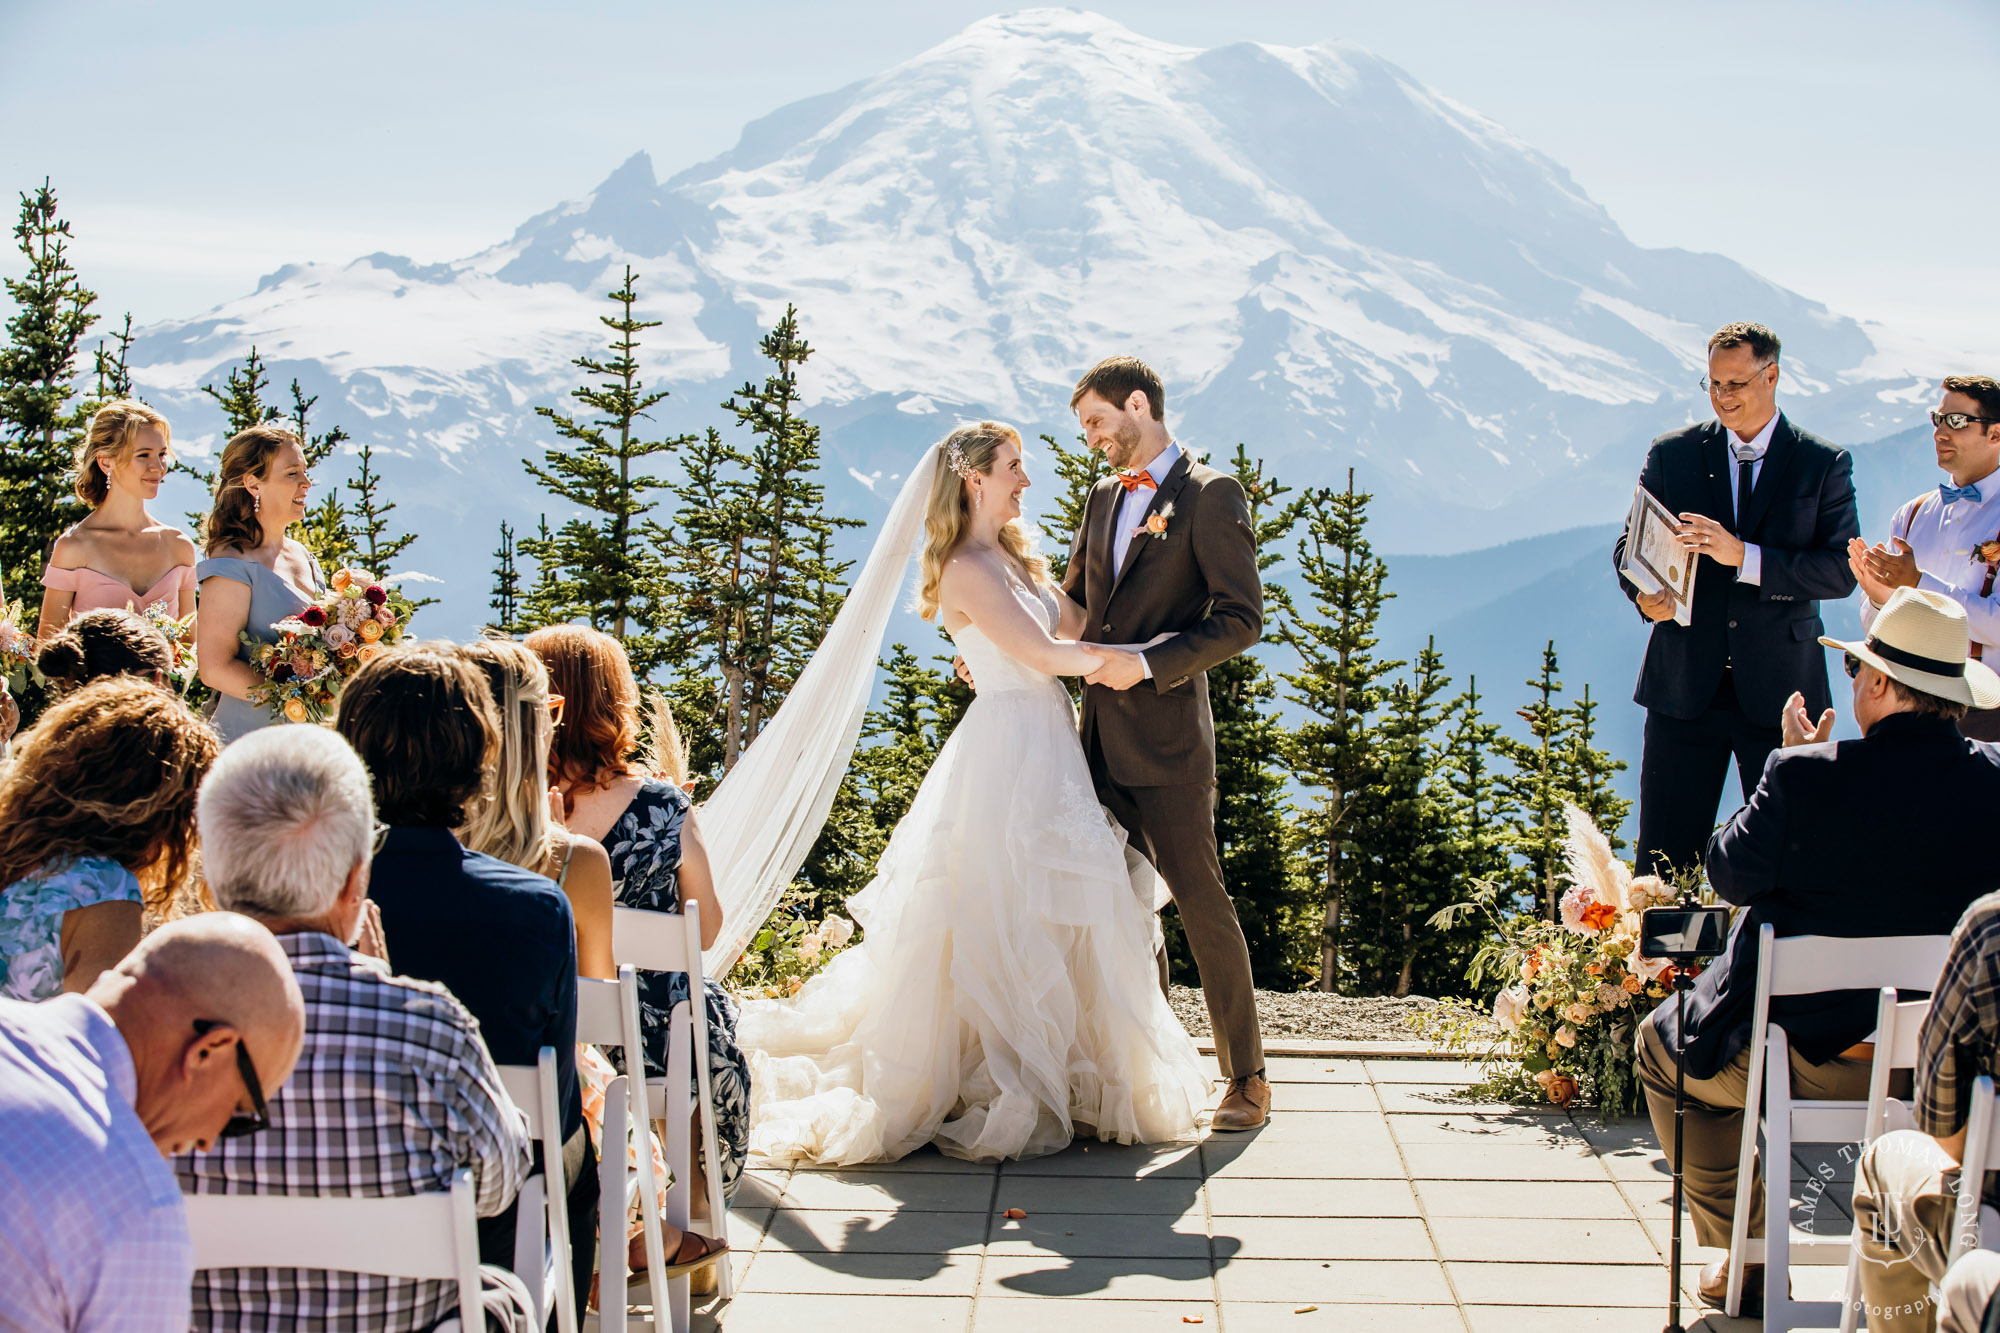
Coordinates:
(954, 457)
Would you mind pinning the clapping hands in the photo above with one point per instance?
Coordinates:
(1798, 729)
(1880, 570)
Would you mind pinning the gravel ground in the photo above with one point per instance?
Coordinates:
(1311, 1016)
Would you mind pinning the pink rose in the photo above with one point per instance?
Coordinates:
(385, 616)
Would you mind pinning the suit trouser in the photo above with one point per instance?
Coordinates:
(1905, 1194)
(1681, 773)
(1174, 828)
(1713, 1133)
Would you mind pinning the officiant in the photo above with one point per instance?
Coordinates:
(1768, 510)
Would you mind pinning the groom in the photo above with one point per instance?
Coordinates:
(1166, 546)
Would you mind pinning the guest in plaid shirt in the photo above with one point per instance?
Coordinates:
(394, 1091)
(1906, 1187)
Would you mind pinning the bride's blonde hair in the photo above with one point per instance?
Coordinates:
(966, 450)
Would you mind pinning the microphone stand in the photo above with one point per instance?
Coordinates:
(1680, 1117)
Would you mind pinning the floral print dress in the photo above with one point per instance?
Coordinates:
(645, 850)
(31, 920)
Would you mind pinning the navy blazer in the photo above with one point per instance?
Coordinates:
(1844, 838)
(1802, 514)
(498, 937)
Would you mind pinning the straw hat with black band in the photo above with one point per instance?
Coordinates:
(1920, 640)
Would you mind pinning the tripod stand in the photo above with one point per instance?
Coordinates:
(1682, 984)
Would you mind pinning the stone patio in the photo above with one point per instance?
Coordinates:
(1374, 1200)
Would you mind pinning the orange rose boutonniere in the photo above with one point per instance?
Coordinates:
(1155, 525)
(1987, 553)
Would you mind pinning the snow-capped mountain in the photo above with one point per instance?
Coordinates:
(1325, 259)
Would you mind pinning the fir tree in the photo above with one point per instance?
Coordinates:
(1340, 685)
(1076, 469)
(506, 587)
(241, 399)
(1481, 811)
(1590, 772)
(602, 566)
(1539, 784)
(39, 419)
(114, 380)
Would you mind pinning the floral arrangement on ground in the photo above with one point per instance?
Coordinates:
(1562, 1027)
(788, 951)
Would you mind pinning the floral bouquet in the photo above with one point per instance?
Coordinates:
(1577, 989)
(782, 956)
(17, 645)
(325, 643)
(179, 634)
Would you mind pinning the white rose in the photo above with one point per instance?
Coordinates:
(809, 948)
(1507, 1007)
(837, 931)
(1565, 1035)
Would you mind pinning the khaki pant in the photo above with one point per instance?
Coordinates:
(1905, 1195)
(1713, 1135)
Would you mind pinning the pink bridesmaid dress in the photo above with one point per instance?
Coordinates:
(91, 591)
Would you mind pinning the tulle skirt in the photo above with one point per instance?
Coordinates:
(1005, 997)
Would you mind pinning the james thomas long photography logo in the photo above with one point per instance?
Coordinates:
(1893, 1235)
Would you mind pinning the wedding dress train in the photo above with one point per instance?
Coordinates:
(1004, 997)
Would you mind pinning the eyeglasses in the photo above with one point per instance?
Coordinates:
(1853, 665)
(1959, 420)
(240, 1124)
(381, 836)
(1726, 388)
(555, 710)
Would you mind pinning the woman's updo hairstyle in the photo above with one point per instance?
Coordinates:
(110, 641)
(114, 429)
(232, 520)
(969, 449)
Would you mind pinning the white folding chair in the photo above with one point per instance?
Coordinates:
(541, 1235)
(607, 1014)
(413, 1236)
(1897, 1025)
(1805, 965)
(671, 942)
(1975, 1222)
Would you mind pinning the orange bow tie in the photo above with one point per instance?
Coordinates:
(1132, 481)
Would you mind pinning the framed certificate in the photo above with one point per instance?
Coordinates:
(1654, 559)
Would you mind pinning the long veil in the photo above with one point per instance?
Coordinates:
(763, 817)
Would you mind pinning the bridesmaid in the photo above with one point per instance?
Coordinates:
(254, 575)
(119, 555)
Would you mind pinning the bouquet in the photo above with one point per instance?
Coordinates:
(788, 952)
(1563, 1026)
(179, 634)
(326, 642)
(17, 646)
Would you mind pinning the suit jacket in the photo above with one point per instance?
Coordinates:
(1801, 514)
(1199, 582)
(1846, 838)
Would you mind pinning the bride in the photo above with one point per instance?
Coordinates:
(1004, 998)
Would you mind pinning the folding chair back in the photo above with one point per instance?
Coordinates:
(541, 1253)
(607, 1014)
(1898, 1025)
(433, 1236)
(1976, 1224)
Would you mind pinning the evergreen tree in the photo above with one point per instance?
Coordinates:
(1077, 469)
(506, 587)
(39, 417)
(1481, 811)
(1538, 786)
(241, 399)
(602, 566)
(114, 380)
(1590, 772)
(1340, 685)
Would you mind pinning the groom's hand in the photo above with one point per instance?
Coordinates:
(1120, 670)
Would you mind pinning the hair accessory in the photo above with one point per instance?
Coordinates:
(954, 457)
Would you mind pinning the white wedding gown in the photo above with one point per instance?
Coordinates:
(1004, 998)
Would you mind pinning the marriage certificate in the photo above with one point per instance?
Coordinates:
(1655, 561)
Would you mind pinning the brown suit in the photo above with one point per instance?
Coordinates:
(1152, 748)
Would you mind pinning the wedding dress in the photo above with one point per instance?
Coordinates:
(1004, 997)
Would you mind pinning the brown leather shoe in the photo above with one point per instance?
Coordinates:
(1713, 1287)
(1245, 1104)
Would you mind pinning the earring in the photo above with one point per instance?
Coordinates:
(978, 498)
(256, 504)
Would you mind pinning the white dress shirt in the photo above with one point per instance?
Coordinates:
(1132, 513)
(1752, 569)
(93, 1233)
(1943, 536)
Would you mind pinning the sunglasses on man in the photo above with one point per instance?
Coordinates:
(241, 1124)
(1959, 420)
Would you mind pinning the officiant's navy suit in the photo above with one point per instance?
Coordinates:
(1714, 689)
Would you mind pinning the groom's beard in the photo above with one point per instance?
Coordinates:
(1124, 446)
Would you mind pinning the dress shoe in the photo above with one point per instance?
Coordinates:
(1245, 1104)
(1714, 1287)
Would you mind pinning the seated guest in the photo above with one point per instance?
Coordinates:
(1809, 855)
(1906, 1186)
(172, 1050)
(102, 643)
(395, 1064)
(500, 938)
(96, 831)
(1966, 1295)
(1935, 539)
(647, 824)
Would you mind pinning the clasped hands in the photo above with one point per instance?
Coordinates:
(1880, 570)
(1119, 668)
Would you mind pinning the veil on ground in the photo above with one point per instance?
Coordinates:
(765, 814)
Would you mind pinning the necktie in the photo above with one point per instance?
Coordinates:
(1132, 481)
(1744, 479)
(1951, 493)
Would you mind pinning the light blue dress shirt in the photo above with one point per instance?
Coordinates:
(1132, 511)
(93, 1233)
(1752, 569)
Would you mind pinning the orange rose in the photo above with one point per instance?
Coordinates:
(341, 580)
(368, 652)
(295, 710)
(1597, 916)
(370, 630)
(1632, 984)
(1562, 1089)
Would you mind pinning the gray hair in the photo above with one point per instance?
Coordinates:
(285, 814)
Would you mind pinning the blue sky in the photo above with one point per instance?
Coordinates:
(1840, 148)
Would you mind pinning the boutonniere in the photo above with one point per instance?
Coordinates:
(1155, 525)
(1987, 553)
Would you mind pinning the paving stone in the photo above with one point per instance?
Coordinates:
(926, 1158)
(746, 1227)
(1485, 1127)
(1324, 1237)
(877, 1191)
(1016, 1314)
(1570, 1318)
(1100, 1236)
(1154, 1198)
(1514, 1199)
(780, 1313)
(833, 1231)
(760, 1189)
(1500, 1161)
(1530, 1283)
(1598, 1240)
(1298, 1069)
(1114, 1279)
(1334, 1282)
(862, 1274)
(1285, 1317)
(1242, 1156)
(1134, 1161)
(1248, 1196)
(1291, 1097)
(1462, 1073)
(1446, 1098)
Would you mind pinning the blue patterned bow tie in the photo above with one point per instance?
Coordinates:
(1951, 493)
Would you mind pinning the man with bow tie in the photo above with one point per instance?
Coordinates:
(1948, 540)
(1768, 509)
